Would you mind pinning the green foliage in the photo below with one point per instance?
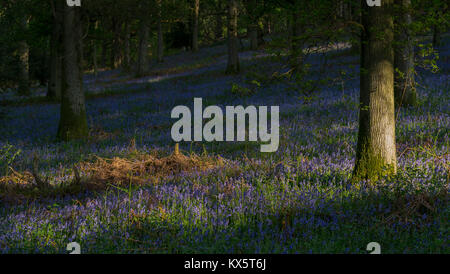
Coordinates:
(428, 57)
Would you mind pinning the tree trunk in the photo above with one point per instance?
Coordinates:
(73, 121)
(436, 37)
(253, 35)
(195, 30)
(219, 27)
(94, 58)
(297, 55)
(376, 151)
(160, 54)
(142, 62)
(24, 65)
(290, 31)
(126, 64)
(355, 16)
(405, 92)
(56, 48)
(104, 56)
(268, 24)
(116, 58)
(233, 55)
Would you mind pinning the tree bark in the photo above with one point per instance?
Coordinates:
(253, 35)
(160, 54)
(142, 62)
(376, 150)
(116, 58)
(94, 58)
(405, 92)
(436, 37)
(56, 52)
(268, 24)
(24, 65)
(104, 56)
(126, 64)
(219, 27)
(233, 55)
(195, 27)
(73, 121)
(297, 55)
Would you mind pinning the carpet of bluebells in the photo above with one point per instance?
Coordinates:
(297, 200)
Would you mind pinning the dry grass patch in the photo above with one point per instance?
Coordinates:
(145, 168)
(99, 175)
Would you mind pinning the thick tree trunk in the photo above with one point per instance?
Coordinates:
(73, 121)
(142, 62)
(24, 65)
(195, 27)
(233, 54)
(405, 92)
(376, 150)
(56, 52)
(160, 53)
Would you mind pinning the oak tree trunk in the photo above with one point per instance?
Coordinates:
(376, 150)
(73, 121)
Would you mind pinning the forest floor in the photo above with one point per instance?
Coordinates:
(124, 191)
